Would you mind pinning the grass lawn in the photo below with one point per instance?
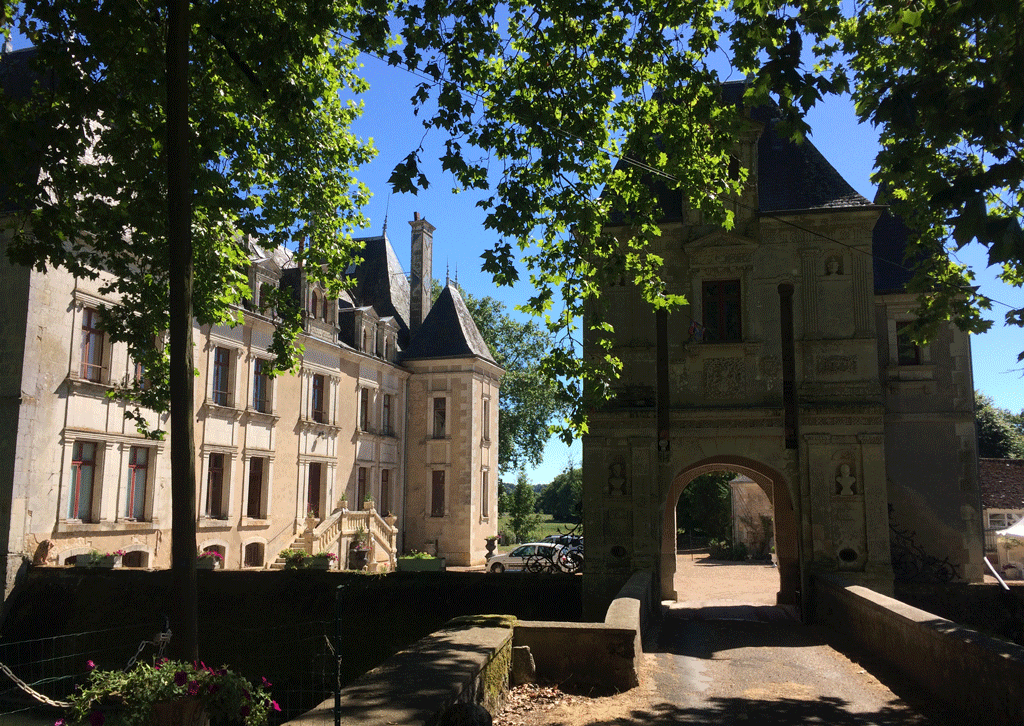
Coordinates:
(545, 528)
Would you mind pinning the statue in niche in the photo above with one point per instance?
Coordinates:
(617, 479)
(834, 265)
(846, 483)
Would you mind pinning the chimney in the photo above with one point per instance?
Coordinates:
(421, 261)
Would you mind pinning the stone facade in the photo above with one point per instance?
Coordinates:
(274, 456)
(785, 367)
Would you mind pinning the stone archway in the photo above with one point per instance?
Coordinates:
(777, 489)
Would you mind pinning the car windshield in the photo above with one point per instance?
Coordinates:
(525, 551)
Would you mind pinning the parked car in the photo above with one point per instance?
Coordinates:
(531, 557)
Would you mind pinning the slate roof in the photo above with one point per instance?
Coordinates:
(1002, 483)
(381, 282)
(448, 331)
(889, 245)
(16, 80)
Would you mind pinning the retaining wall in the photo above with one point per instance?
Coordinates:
(981, 675)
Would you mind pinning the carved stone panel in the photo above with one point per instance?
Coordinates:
(725, 378)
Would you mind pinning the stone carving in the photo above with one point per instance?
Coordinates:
(836, 364)
(725, 377)
(846, 483)
(834, 265)
(617, 479)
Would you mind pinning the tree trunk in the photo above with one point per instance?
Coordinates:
(184, 606)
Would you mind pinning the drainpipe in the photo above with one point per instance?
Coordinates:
(400, 539)
(790, 414)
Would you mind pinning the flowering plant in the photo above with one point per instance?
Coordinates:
(326, 555)
(293, 559)
(96, 554)
(210, 555)
(128, 696)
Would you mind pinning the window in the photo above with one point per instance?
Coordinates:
(222, 377)
(254, 496)
(722, 322)
(141, 379)
(314, 489)
(437, 494)
(92, 346)
(220, 550)
(253, 555)
(215, 488)
(440, 417)
(83, 474)
(314, 306)
(1001, 520)
(484, 493)
(138, 475)
(487, 419)
(261, 385)
(908, 353)
(385, 419)
(319, 399)
(364, 409)
(384, 505)
(364, 341)
(387, 348)
(361, 488)
(138, 558)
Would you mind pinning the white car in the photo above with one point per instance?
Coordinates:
(531, 557)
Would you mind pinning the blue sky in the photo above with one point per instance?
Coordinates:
(460, 237)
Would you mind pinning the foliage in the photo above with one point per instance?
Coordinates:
(522, 519)
(563, 497)
(293, 559)
(938, 79)
(213, 555)
(324, 555)
(417, 555)
(271, 159)
(704, 507)
(528, 401)
(1000, 435)
(504, 498)
(360, 539)
(722, 549)
(226, 696)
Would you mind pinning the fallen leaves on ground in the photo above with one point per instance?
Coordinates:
(522, 703)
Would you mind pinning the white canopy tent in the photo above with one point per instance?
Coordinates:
(1014, 530)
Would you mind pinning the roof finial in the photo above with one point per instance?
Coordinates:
(387, 207)
(456, 274)
(446, 278)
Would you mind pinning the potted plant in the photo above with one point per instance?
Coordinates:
(293, 559)
(311, 519)
(343, 503)
(170, 693)
(321, 561)
(359, 550)
(209, 560)
(368, 502)
(417, 561)
(101, 560)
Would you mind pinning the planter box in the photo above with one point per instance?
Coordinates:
(419, 564)
(319, 563)
(206, 563)
(103, 563)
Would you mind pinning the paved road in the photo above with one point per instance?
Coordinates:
(725, 656)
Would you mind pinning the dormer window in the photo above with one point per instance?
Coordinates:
(314, 305)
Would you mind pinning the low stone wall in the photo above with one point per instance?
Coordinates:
(981, 675)
(468, 661)
(594, 655)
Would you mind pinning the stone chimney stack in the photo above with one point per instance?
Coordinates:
(421, 262)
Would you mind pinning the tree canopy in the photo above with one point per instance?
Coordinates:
(1000, 432)
(563, 497)
(554, 113)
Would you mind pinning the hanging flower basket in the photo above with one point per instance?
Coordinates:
(180, 712)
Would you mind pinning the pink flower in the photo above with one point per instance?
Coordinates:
(273, 705)
(96, 718)
(59, 722)
(193, 688)
(90, 665)
(266, 683)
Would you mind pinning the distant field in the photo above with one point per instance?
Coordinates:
(545, 528)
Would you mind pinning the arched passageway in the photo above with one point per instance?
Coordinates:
(777, 490)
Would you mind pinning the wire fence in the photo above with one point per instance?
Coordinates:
(295, 657)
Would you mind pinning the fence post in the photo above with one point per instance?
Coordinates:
(337, 655)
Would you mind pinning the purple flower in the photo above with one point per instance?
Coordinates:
(90, 665)
(193, 688)
(266, 683)
(179, 678)
(96, 718)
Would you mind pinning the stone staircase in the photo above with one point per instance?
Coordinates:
(336, 532)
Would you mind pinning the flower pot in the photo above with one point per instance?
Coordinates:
(206, 563)
(319, 563)
(357, 559)
(104, 562)
(421, 564)
(181, 712)
(369, 504)
(490, 543)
